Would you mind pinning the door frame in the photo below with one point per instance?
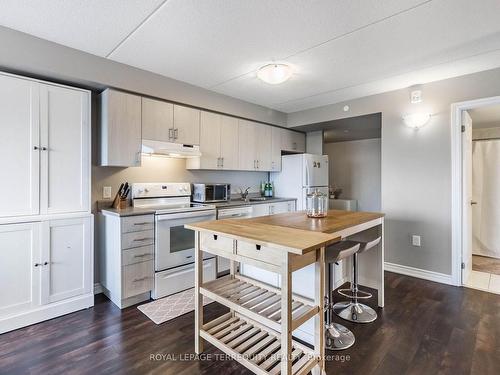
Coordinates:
(456, 181)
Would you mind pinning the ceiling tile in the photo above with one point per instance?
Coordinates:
(209, 42)
(95, 26)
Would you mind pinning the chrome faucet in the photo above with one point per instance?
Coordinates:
(244, 194)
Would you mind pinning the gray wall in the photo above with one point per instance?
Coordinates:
(416, 165)
(355, 168)
(26, 54)
(314, 142)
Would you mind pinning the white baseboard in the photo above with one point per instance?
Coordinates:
(419, 273)
(97, 288)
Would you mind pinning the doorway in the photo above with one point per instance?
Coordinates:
(479, 195)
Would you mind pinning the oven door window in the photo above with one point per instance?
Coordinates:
(181, 239)
(219, 192)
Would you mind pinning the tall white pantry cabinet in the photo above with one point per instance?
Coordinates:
(46, 228)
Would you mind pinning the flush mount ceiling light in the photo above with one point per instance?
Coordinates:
(416, 120)
(274, 73)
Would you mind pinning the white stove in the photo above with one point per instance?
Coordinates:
(174, 245)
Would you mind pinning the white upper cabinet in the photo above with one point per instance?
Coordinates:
(218, 143)
(293, 141)
(186, 125)
(20, 267)
(157, 120)
(46, 136)
(229, 143)
(263, 145)
(66, 250)
(210, 139)
(247, 156)
(121, 138)
(65, 162)
(276, 134)
(20, 145)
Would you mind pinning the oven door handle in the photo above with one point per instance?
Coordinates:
(191, 215)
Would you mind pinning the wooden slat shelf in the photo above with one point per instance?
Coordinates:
(255, 346)
(256, 301)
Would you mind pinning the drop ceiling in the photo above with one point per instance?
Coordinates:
(340, 50)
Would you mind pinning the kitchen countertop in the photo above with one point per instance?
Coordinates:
(133, 211)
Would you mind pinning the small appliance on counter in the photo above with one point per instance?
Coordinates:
(211, 193)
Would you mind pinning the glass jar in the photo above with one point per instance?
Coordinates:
(317, 204)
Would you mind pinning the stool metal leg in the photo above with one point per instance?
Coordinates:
(337, 337)
(353, 310)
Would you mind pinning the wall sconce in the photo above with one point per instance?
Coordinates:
(416, 120)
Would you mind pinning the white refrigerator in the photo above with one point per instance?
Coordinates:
(301, 174)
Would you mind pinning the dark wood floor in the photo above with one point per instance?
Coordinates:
(425, 328)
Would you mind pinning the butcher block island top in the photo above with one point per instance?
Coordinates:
(334, 222)
(292, 240)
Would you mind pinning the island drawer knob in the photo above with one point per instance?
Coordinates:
(215, 237)
(257, 247)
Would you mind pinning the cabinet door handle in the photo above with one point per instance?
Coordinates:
(176, 133)
(44, 148)
(222, 162)
(294, 146)
(142, 239)
(41, 264)
(170, 133)
(36, 148)
(141, 279)
(141, 255)
(144, 223)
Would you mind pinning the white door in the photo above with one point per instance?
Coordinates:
(66, 248)
(246, 145)
(229, 142)
(466, 196)
(276, 149)
(157, 120)
(210, 136)
(65, 164)
(19, 142)
(20, 267)
(263, 145)
(187, 125)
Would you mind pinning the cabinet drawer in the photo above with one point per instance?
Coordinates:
(211, 243)
(137, 278)
(137, 239)
(137, 223)
(262, 253)
(137, 255)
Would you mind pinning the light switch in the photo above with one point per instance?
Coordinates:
(415, 240)
(106, 192)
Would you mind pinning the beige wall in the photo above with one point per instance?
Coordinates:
(416, 165)
(354, 167)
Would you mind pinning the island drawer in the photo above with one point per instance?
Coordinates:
(137, 278)
(137, 239)
(137, 255)
(263, 253)
(137, 223)
(215, 243)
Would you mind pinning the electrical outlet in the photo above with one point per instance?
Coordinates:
(415, 240)
(106, 192)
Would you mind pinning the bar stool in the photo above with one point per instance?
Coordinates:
(337, 337)
(353, 310)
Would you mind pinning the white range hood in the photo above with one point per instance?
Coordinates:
(175, 150)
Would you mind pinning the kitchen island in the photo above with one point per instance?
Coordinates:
(262, 317)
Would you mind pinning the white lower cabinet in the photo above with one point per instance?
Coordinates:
(19, 274)
(45, 270)
(273, 208)
(66, 248)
